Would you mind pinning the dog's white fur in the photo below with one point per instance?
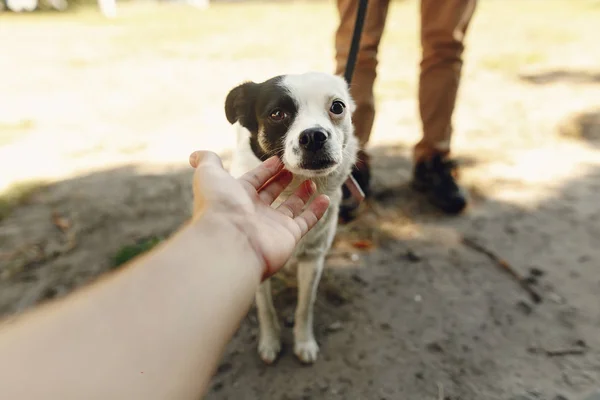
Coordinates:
(313, 93)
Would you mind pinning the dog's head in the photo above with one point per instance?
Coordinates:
(305, 119)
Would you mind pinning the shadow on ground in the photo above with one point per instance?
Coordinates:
(562, 76)
(583, 126)
(69, 232)
(405, 310)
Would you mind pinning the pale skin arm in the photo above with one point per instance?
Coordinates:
(157, 328)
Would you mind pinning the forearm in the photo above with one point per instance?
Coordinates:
(154, 330)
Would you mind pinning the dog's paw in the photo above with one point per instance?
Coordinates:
(307, 351)
(268, 350)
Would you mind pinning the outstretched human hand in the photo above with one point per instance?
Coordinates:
(246, 204)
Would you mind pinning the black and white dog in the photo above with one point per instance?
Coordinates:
(306, 120)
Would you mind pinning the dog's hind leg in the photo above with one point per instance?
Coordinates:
(309, 274)
(269, 342)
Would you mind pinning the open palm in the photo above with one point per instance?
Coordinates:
(246, 202)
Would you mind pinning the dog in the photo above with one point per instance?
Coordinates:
(305, 119)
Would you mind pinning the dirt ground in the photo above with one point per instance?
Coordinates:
(97, 119)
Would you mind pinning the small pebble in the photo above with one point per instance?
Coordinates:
(537, 272)
(524, 307)
(531, 280)
(558, 299)
(412, 257)
(536, 394)
(224, 368)
(358, 279)
(418, 298)
(334, 327)
(385, 326)
(217, 386)
(435, 347)
(583, 259)
(354, 257)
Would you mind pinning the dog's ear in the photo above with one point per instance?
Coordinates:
(240, 105)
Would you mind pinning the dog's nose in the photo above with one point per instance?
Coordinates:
(313, 139)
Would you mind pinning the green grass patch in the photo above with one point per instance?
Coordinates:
(18, 195)
(129, 252)
(11, 132)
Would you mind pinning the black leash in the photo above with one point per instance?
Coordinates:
(351, 184)
(355, 44)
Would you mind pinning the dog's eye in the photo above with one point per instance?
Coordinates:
(337, 107)
(278, 115)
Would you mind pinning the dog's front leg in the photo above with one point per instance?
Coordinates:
(309, 274)
(269, 342)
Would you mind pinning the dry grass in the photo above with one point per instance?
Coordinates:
(12, 131)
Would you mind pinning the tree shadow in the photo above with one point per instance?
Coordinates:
(403, 304)
(411, 304)
(566, 76)
(68, 233)
(583, 126)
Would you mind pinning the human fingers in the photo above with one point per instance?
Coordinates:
(272, 189)
(294, 204)
(260, 175)
(313, 213)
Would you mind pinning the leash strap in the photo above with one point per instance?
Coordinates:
(351, 184)
(355, 44)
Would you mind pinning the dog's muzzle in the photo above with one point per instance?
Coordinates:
(313, 144)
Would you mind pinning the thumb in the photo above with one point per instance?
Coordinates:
(200, 157)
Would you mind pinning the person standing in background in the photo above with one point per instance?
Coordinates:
(444, 24)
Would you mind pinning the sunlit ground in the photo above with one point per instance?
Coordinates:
(80, 92)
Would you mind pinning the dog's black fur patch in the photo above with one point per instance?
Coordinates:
(251, 104)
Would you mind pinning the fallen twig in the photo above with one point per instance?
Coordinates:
(573, 351)
(523, 282)
(561, 352)
(440, 391)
